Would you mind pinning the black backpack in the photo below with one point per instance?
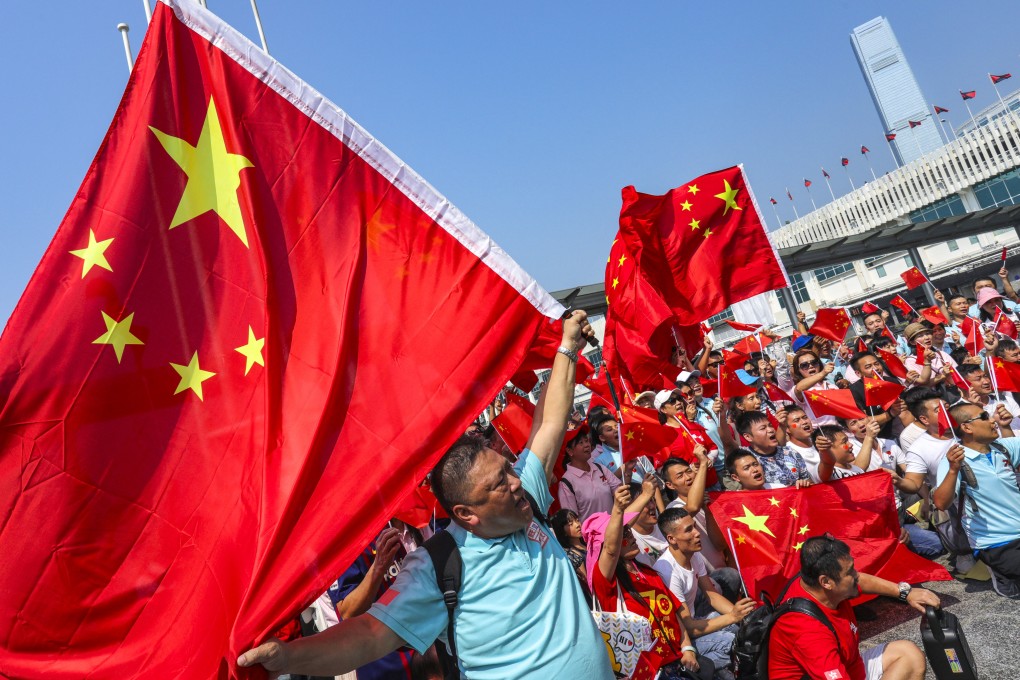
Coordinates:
(750, 652)
(445, 555)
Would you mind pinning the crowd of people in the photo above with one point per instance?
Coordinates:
(569, 525)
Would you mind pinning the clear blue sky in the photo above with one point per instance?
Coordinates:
(530, 116)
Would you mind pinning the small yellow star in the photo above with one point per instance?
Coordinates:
(685, 206)
(118, 334)
(252, 351)
(728, 196)
(798, 546)
(814, 397)
(803, 530)
(426, 257)
(623, 258)
(616, 282)
(793, 511)
(92, 254)
(741, 539)
(629, 435)
(693, 189)
(214, 175)
(708, 232)
(774, 501)
(192, 376)
(695, 225)
(756, 522)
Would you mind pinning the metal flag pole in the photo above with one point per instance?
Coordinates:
(828, 184)
(996, 88)
(258, 25)
(972, 120)
(792, 203)
(889, 138)
(807, 187)
(775, 210)
(148, 11)
(123, 28)
(846, 169)
(945, 137)
(951, 130)
(864, 152)
(917, 141)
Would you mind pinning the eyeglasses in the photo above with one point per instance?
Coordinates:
(812, 364)
(672, 400)
(984, 416)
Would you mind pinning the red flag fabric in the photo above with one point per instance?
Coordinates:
(831, 323)
(689, 436)
(807, 183)
(945, 421)
(542, 354)
(709, 387)
(893, 363)
(789, 195)
(939, 109)
(1005, 325)
(881, 392)
(513, 424)
(959, 381)
(768, 528)
(913, 123)
(599, 384)
(1005, 375)
(641, 434)
(839, 403)
(772, 200)
(899, 303)
(997, 79)
(975, 341)
(159, 486)
(731, 386)
(599, 400)
(861, 345)
(865, 149)
(913, 278)
(777, 394)
(935, 315)
(752, 343)
(701, 246)
(845, 161)
(1004, 251)
(970, 94)
(890, 136)
(737, 326)
(869, 308)
(825, 174)
(734, 360)
(419, 507)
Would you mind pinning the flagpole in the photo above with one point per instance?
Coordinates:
(945, 137)
(148, 11)
(258, 25)
(872, 167)
(792, 203)
(846, 169)
(736, 560)
(828, 184)
(951, 130)
(917, 142)
(123, 28)
(972, 120)
(996, 88)
(891, 153)
(808, 189)
(776, 211)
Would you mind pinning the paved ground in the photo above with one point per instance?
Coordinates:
(991, 623)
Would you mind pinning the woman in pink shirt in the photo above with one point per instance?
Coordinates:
(585, 487)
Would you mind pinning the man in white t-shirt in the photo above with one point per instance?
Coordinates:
(798, 428)
(710, 620)
(650, 541)
(688, 482)
(922, 458)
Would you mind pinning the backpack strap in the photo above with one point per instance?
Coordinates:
(446, 560)
(566, 482)
(535, 510)
(802, 605)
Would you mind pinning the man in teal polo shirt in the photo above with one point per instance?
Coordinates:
(991, 508)
(520, 613)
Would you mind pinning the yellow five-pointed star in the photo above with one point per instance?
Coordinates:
(629, 435)
(774, 501)
(741, 539)
(693, 189)
(803, 530)
(685, 206)
(92, 254)
(214, 174)
(616, 282)
(623, 258)
(729, 197)
(756, 522)
(252, 351)
(695, 225)
(118, 334)
(793, 511)
(798, 546)
(708, 232)
(192, 376)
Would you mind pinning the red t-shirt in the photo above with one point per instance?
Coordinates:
(800, 644)
(657, 603)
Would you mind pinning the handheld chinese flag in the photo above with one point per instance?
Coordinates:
(752, 343)
(831, 323)
(899, 303)
(935, 315)
(998, 79)
(513, 424)
(769, 527)
(839, 403)
(861, 345)
(1005, 375)
(959, 381)
(913, 278)
(734, 360)
(775, 393)
(730, 385)
(1004, 251)
(974, 337)
(1005, 325)
(869, 308)
(879, 392)
(641, 434)
(969, 94)
(198, 371)
(892, 363)
(702, 246)
(945, 421)
(737, 326)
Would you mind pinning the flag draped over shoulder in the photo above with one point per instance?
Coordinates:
(769, 527)
(253, 334)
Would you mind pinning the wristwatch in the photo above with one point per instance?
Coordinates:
(567, 352)
(905, 589)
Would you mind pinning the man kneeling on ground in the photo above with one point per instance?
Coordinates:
(800, 645)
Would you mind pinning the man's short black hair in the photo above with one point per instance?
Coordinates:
(748, 419)
(870, 314)
(671, 463)
(735, 455)
(979, 280)
(828, 431)
(669, 518)
(450, 475)
(880, 342)
(966, 369)
(1005, 345)
(955, 297)
(855, 360)
(715, 354)
(597, 422)
(822, 556)
(916, 397)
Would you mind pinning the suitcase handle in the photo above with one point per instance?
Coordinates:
(934, 616)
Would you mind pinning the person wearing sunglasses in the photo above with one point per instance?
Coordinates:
(983, 470)
(810, 373)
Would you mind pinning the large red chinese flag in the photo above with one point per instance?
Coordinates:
(702, 246)
(253, 334)
(831, 323)
(839, 403)
(769, 527)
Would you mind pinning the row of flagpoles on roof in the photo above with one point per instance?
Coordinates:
(124, 28)
(890, 136)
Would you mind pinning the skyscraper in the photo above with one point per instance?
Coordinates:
(894, 90)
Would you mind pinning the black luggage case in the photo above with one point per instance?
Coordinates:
(946, 646)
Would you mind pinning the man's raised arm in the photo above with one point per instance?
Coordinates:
(557, 399)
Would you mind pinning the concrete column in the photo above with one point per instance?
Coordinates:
(929, 292)
(791, 305)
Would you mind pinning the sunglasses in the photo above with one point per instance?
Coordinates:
(810, 364)
(716, 363)
(984, 416)
(673, 400)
